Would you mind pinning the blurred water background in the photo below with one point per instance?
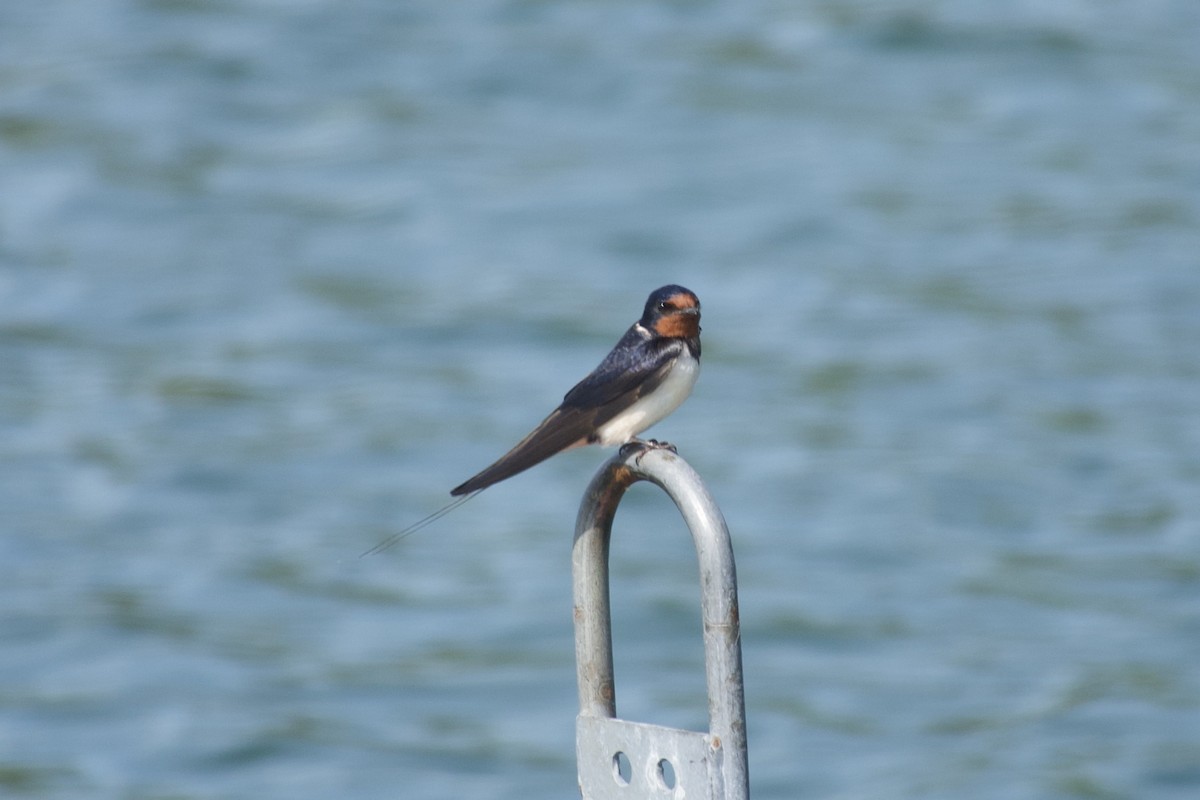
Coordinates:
(274, 276)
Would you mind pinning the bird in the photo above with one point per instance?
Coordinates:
(644, 378)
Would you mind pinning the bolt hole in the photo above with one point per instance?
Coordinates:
(622, 769)
(666, 774)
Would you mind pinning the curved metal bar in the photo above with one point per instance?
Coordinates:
(719, 604)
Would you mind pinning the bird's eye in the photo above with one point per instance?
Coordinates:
(664, 305)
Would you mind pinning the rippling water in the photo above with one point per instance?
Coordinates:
(274, 276)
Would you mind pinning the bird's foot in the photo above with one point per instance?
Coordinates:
(645, 446)
(630, 447)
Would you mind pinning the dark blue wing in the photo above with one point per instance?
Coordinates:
(633, 368)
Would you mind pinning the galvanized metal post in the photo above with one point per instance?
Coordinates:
(629, 760)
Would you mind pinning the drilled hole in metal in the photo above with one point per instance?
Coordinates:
(622, 769)
(666, 774)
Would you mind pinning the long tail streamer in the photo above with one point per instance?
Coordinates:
(419, 524)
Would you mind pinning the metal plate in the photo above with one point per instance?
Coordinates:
(661, 762)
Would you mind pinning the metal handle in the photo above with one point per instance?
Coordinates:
(723, 763)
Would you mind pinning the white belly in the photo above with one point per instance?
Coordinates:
(656, 406)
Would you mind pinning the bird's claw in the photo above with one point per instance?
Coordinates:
(645, 446)
(629, 447)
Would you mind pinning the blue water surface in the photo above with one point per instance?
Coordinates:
(274, 276)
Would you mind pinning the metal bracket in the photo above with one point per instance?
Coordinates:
(622, 760)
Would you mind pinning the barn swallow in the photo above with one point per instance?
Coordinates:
(645, 377)
(642, 380)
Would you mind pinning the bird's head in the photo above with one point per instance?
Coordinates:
(673, 311)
